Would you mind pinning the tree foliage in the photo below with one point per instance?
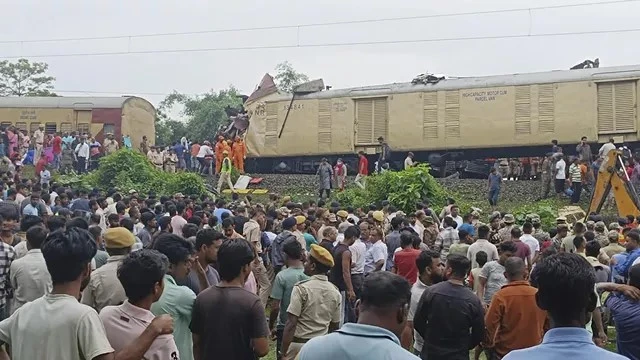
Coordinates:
(287, 78)
(128, 169)
(24, 78)
(402, 188)
(204, 115)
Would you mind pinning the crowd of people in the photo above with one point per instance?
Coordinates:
(106, 275)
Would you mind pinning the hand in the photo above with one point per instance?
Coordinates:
(630, 291)
(162, 324)
(613, 261)
(351, 295)
(199, 267)
(601, 339)
(274, 334)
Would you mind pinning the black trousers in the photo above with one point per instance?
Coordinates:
(82, 165)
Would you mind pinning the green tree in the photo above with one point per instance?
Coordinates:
(287, 78)
(205, 114)
(24, 78)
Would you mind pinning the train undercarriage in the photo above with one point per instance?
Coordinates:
(467, 163)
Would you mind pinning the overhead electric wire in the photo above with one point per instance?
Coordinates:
(318, 24)
(355, 43)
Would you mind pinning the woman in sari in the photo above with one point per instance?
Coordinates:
(12, 137)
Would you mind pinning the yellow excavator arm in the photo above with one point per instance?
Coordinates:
(612, 176)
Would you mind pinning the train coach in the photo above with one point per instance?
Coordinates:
(513, 115)
(98, 116)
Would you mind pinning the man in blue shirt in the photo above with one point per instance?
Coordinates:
(565, 283)
(626, 315)
(633, 248)
(179, 149)
(383, 316)
(467, 225)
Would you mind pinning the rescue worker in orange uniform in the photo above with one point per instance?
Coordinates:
(219, 148)
(238, 154)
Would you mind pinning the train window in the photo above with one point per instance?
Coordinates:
(21, 126)
(5, 124)
(83, 128)
(109, 129)
(66, 127)
(34, 126)
(50, 128)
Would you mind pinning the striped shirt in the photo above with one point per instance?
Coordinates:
(574, 173)
(7, 255)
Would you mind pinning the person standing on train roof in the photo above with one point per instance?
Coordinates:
(584, 151)
(38, 139)
(363, 170)
(238, 154)
(218, 149)
(408, 162)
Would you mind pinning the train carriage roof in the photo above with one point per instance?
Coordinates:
(76, 102)
(557, 76)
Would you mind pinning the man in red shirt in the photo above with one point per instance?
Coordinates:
(363, 170)
(404, 260)
(57, 150)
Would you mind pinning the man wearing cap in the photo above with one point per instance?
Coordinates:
(38, 139)
(342, 216)
(314, 309)
(110, 144)
(104, 288)
(300, 224)
(601, 234)
(505, 233)
(225, 172)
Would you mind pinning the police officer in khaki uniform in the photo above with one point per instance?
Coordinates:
(314, 309)
(104, 287)
(547, 172)
(505, 233)
(110, 144)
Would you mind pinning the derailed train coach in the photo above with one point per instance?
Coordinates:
(461, 119)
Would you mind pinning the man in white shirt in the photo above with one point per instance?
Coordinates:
(604, 150)
(29, 276)
(455, 214)
(531, 241)
(482, 244)
(82, 153)
(408, 162)
(79, 333)
(561, 175)
(204, 152)
(358, 252)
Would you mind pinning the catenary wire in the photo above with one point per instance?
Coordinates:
(318, 24)
(318, 45)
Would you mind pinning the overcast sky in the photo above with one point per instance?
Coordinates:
(344, 66)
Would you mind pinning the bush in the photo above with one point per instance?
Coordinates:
(402, 188)
(546, 209)
(126, 170)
